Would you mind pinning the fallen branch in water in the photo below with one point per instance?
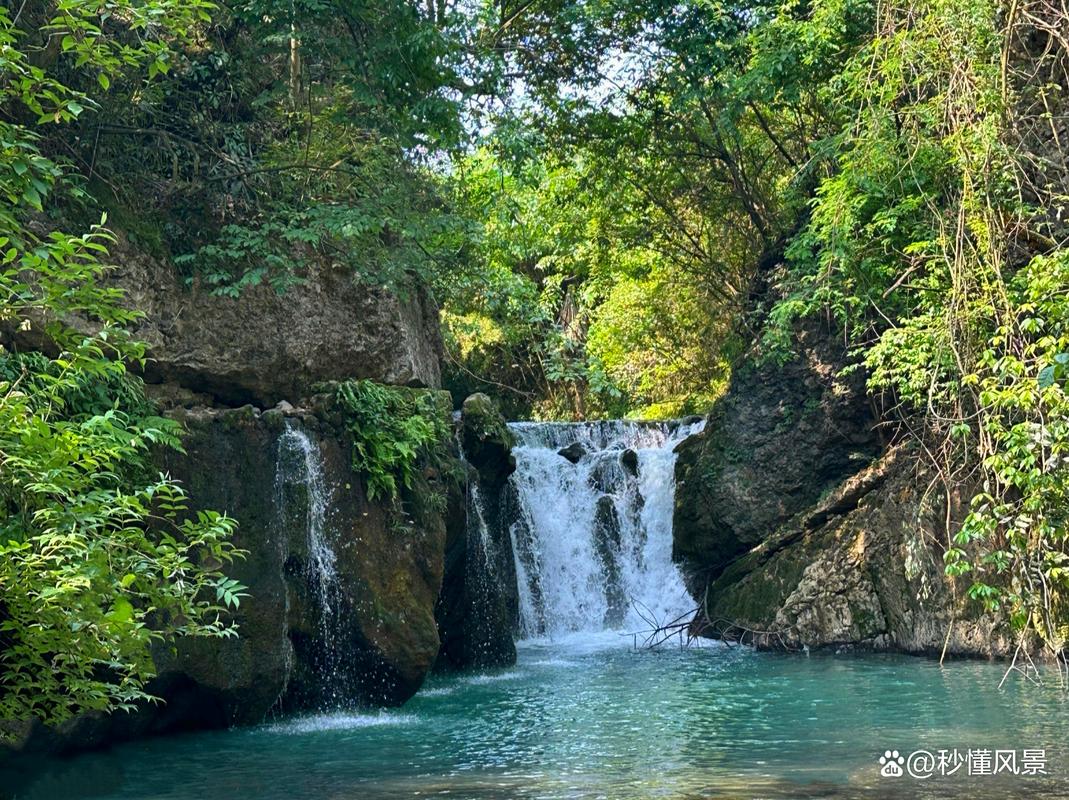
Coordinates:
(698, 624)
(1029, 670)
(658, 634)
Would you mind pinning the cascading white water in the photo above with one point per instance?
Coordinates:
(478, 532)
(477, 526)
(300, 464)
(299, 461)
(593, 539)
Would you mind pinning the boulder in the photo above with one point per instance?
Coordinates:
(781, 437)
(572, 452)
(797, 529)
(388, 569)
(264, 346)
(861, 569)
(477, 610)
(487, 441)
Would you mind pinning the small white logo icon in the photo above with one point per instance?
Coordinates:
(891, 764)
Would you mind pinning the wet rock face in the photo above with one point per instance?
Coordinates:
(780, 438)
(378, 639)
(573, 452)
(607, 542)
(477, 610)
(863, 568)
(797, 530)
(487, 441)
(263, 347)
(389, 573)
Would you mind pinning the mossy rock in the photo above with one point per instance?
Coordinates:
(487, 440)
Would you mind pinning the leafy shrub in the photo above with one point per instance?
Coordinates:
(99, 557)
(394, 432)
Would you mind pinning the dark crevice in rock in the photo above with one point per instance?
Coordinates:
(477, 610)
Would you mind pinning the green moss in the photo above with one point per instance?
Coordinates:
(483, 420)
(756, 586)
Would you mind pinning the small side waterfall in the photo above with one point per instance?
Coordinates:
(479, 531)
(300, 486)
(476, 607)
(593, 532)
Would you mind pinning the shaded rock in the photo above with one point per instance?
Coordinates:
(607, 544)
(262, 346)
(782, 437)
(573, 452)
(487, 441)
(389, 570)
(864, 568)
(629, 459)
(389, 573)
(477, 610)
(796, 529)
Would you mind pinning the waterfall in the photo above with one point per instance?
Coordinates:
(300, 486)
(478, 531)
(593, 539)
(479, 541)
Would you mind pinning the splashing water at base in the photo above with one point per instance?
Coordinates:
(593, 539)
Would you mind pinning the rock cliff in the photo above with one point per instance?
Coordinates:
(863, 567)
(477, 609)
(381, 638)
(781, 437)
(796, 527)
(371, 637)
(264, 346)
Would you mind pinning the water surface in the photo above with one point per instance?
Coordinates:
(590, 718)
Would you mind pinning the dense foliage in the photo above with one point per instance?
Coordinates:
(612, 203)
(98, 558)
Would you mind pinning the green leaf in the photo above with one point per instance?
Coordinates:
(1046, 377)
(121, 611)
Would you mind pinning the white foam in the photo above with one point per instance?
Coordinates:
(340, 722)
(554, 662)
(479, 680)
(579, 575)
(439, 691)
